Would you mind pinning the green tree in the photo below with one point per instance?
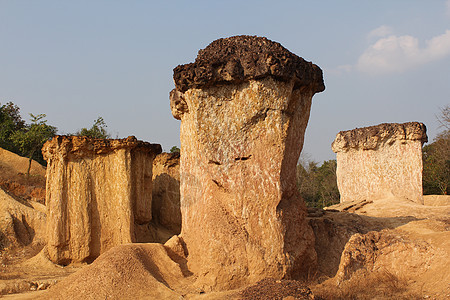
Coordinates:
(307, 183)
(31, 139)
(318, 185)
(98, 130)
(436, 159)
(327, 181)
(10, 121)
(174, 149)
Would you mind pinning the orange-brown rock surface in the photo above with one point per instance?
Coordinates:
(380, 161)
(21, 224)
(99, 191)
(403, 242)
(244, 106)
(166, 191)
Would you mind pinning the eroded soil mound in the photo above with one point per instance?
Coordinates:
(131, 271)
(406, 256)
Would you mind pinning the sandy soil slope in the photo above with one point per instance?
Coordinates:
(412, 248)
(13, 178)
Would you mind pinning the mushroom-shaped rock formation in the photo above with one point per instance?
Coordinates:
(99, 194)
(244, 106)
(380, 161)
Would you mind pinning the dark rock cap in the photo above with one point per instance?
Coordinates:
(82, 146)
(239, 58)
(370, 138)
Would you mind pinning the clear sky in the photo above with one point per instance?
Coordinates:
(383, 61)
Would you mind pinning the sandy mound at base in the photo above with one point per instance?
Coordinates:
(34, 274)
(131, 271)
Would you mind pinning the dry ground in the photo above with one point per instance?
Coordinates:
(408, 260)
(386, 249)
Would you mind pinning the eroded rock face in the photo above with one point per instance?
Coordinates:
(98, 192)
(21, 224)
(244, 105)
(166, 191)
(384, 250)
(380, 161)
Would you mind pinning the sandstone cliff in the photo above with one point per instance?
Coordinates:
(99, 193)
(380, 161)
(244, 105)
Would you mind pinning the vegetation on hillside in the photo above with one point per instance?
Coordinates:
(27, 139)
(31, 140)
(436, 159)
(21, 138)
(318, 185)
(10, 122)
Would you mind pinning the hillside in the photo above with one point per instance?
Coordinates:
(14, 181)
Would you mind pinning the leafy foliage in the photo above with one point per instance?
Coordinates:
(436, 159)
(174, 149)
(98, 130)
(30, 140)
(10, 121)
(318, 185)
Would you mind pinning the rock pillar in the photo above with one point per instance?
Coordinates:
(99, 191)
(380, 161)
(166, 191)
(244, 105)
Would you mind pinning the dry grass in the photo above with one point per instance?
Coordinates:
(363, 285)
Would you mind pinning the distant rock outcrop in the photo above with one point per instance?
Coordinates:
(380, 161)
(244, 106)
(99, 194)
(166, 191)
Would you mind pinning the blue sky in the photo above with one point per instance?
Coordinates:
(383, 61)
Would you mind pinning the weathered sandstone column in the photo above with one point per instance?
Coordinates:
(244, 105)
(98, 192)
(380, 161)
(166, 191)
